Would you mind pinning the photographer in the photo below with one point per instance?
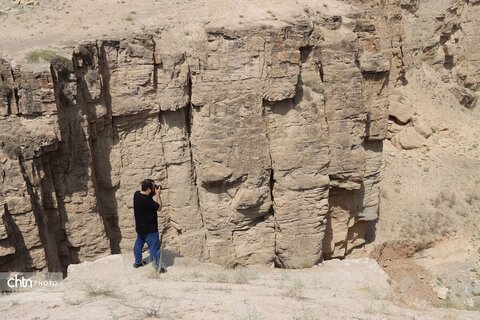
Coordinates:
(146, 224)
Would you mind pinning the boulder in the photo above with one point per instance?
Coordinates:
(442, 293)
(400, 108)
(465, 97)
(408, 139)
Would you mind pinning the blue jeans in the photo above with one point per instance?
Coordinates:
(153, 243)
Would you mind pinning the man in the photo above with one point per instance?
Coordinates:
(146, 223)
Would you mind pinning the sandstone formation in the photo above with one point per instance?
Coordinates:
(267, 139)
(441, 35)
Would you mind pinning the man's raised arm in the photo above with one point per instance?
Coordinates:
(159, 200)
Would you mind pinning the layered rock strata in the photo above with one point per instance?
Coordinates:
(267, 141)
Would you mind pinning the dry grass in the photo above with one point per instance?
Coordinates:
(130, 18)
(251, 314)
(375, 293)
(236, 276)
(305, 314)
(450, 316)
(472, 198)
(72, 302)
(218, 277)
(448, 304)
(40, 55)
(151, 308)
(152, 273)
(300, 262)
(383, 309)
(186, 276)
(446, 198)
(443, 215)
(370, 309)
(228, 264)
(427, 225)
(242, 276)
(100, 289)
(294, 289)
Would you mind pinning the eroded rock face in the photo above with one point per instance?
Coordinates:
(267, 142)
(441, 35)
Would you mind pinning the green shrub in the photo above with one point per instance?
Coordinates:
(38, 55)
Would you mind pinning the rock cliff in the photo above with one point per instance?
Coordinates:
(266, 138)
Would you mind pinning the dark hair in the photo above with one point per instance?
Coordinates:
(148, 184)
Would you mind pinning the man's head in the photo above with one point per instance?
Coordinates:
(148, 187)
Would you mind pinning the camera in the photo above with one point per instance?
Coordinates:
(157, 187)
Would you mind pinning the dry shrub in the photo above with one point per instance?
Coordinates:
(40, 55)
(100, 289)
(300, 262)
(445, 198)
(294, 289)
(237, 276)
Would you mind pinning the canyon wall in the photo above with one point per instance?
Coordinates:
(266, 139)
(438, 37)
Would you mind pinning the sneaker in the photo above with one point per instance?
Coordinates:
(162, 270)
(138, 265)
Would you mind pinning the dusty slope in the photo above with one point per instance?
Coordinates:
(110, 289)
(433, 191)
(432, 194)
(62, 24)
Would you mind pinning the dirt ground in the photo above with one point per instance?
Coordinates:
(110, 288)
(60, 25)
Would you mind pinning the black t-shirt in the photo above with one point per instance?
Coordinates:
(145, 211)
